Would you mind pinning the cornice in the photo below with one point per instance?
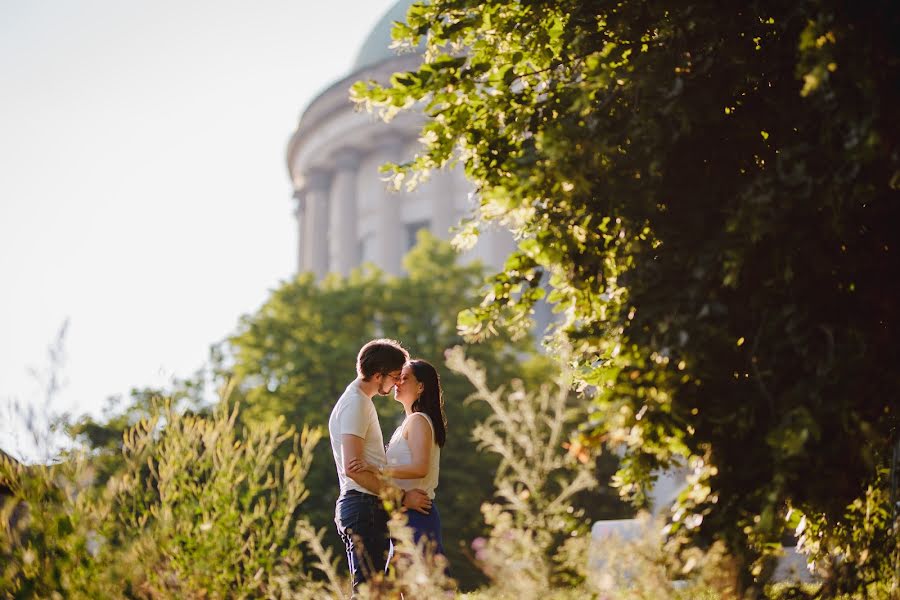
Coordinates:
(334, 102)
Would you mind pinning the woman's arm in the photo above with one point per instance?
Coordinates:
(371, 479)
(419, 438)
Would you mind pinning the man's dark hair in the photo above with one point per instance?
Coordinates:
(380, 356)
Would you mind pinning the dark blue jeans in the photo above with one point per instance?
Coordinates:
(428, 526)
(362, 523)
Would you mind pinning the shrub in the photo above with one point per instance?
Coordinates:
(200, 509)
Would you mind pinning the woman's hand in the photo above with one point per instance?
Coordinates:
(416, 500)
(358, 465)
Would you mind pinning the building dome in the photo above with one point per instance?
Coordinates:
(376, 48)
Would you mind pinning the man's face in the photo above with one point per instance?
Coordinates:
(388, 381)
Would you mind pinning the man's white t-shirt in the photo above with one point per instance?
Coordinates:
(355, 414)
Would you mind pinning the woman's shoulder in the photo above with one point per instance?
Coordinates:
(411, 421)
(421, 414)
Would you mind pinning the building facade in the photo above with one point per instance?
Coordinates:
(346, 215)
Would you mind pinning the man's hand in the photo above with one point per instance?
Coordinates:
(417, 500)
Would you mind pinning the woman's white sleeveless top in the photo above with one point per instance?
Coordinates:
(398, 453)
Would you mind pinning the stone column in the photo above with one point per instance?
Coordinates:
(315, 250)
(500, 244)
(389, 232)
(448, 187)
(342, 237)
(300, 214)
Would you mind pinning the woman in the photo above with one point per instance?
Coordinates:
(414, 452)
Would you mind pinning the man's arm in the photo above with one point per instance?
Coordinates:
(352, 448)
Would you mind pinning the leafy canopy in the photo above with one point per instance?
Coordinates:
(710, 197)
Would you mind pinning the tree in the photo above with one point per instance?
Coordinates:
(712, 198)
(297, 353)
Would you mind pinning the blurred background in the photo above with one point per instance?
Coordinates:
(144, 199)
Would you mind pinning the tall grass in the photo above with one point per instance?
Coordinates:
(200, 510)
(204, 508)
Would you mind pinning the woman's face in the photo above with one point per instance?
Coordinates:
(408, 388)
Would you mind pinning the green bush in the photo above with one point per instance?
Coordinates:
(199, 509)
(539, 545)
(49, 545)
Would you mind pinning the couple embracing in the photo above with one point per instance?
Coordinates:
(367, 469)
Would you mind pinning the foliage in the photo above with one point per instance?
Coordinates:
(105, 435)
(535, 482)
(711, 196)
(859, 550)
(214, 511)
(297, 353)
(204, 509)
(538, 545)
(197, 511)
(47, 532)
(416, 571)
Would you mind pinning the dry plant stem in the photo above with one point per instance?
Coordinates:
(535, 481)
(324, 560)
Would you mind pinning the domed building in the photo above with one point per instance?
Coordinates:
(346, 215)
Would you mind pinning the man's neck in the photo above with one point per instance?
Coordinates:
(369, 388)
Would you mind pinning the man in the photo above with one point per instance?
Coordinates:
(356, 433)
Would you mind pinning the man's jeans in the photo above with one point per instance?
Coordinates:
(362, 522)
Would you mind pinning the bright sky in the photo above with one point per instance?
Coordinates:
(143, 190)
